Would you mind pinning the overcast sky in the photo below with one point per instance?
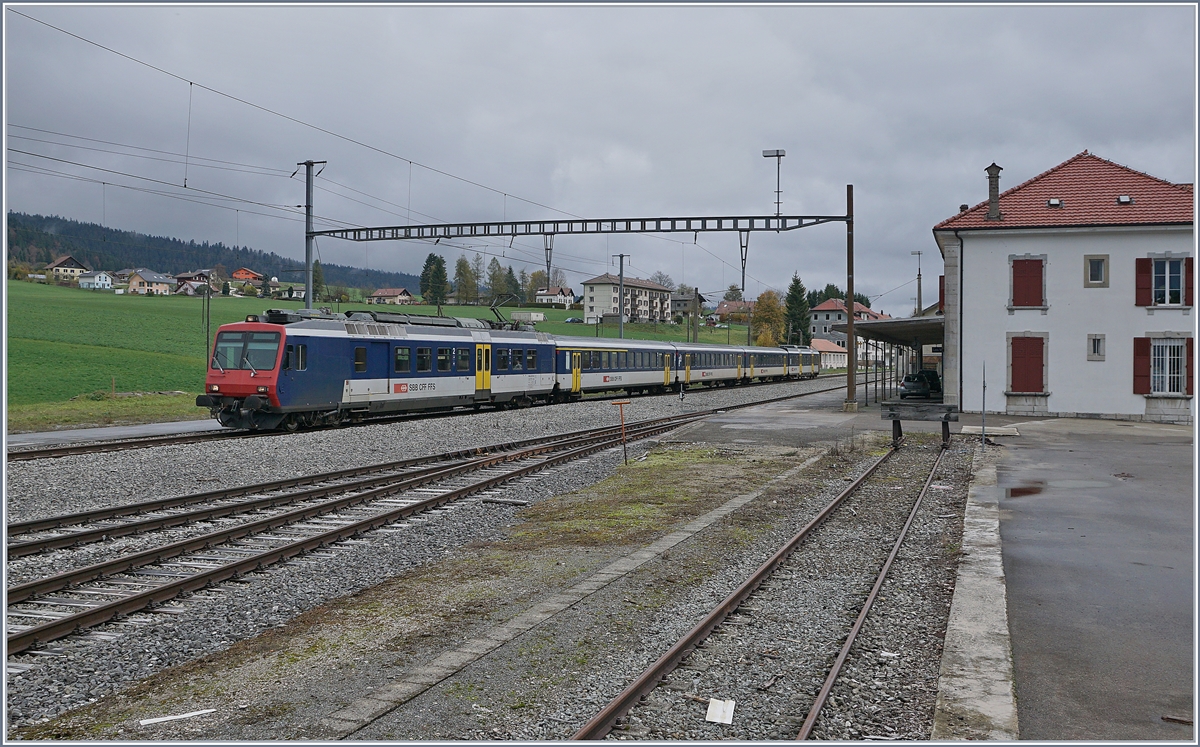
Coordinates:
(599, 112)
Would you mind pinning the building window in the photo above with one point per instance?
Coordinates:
(1095, 271)
(1167, 365)
(1168, 282)
(1028, 364)
(1095, 351)
(1027, 283)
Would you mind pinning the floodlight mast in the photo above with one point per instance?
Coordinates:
(778, 156)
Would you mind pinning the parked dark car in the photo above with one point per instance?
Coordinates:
(573, 320)
(914, 385)
(931, 376)
(923, 383)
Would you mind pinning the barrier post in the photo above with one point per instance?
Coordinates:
(621, 404)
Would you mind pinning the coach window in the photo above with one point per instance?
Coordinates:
(531, 359)
(360, 360)
(424, 360)
(516, 359)
(604, 360)
(500, 360)
(403, 360)
(444, 357)
(585, 361)
(464, 360)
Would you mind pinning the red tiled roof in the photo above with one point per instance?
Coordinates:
(825, 346)
(1088, 187)
(838, 304)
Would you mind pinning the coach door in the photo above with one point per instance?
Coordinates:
(483, 369)
(576, 372)
(666, 369)
(739, 366)
(687, 368)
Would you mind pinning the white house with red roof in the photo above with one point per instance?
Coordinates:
(1074, 290)
(833, 355)
(395, 296)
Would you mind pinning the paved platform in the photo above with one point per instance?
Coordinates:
(75, 435)
(1096, 520)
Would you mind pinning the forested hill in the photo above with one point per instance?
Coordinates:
(38, 239)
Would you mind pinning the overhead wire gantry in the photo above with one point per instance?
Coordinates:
(548, 229)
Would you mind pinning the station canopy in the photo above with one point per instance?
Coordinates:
(921, 330)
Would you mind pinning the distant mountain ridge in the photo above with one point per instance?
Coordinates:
(39, 239)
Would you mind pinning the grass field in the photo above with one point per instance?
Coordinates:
(67, 342)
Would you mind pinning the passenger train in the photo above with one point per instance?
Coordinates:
(293, 369)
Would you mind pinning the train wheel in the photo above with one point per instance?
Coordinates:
(291, 423)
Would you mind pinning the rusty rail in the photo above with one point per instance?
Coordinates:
(811, 720)
(603, 722)
(19, 641)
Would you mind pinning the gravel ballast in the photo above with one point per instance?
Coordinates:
(214, 620)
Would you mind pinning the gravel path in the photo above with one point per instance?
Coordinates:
(85, 669)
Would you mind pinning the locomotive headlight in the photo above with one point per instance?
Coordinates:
(262, 390)
(214, 388)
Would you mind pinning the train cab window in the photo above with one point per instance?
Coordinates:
(516, 359)
(445, 355)
(403, 361)
(531, 359)
(424, 360)
(360, 360)
(296, 357)
(463, 362)
(500, 359)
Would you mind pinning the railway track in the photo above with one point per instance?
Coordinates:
(642, 696)
(55, 452)
(338, 506)
(51, 608)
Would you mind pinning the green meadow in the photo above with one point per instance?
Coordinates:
(66, 343)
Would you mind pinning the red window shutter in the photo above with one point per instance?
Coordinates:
(942, 293)
(1187, 282)
(1027, 282)
(1027, 363)
(1141, 364)
(1188, 363)
(1144, 266)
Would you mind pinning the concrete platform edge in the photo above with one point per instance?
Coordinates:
(976, 692)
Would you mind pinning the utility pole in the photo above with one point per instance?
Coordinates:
(851, 403)
(548, 242)
(621, 298)
(920, 306)
(308, 231)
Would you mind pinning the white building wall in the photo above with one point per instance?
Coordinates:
(1075, 384)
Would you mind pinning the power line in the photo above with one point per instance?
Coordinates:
(191, 162)
(287, 117)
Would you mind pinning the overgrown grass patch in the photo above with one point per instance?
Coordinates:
(104, 410)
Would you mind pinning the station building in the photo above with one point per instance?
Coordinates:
(1074, 292)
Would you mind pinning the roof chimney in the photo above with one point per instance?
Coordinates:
(993, 173)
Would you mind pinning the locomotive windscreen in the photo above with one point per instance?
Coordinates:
(246, 350)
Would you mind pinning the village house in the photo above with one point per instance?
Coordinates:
(832, 354)
(197, 276)
(644, 301)
(739, 309)
(149, 282)
(397, 296)
(555, 294)
(245, 274)
(96, 280)
(1074, 290)
(65, 269)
